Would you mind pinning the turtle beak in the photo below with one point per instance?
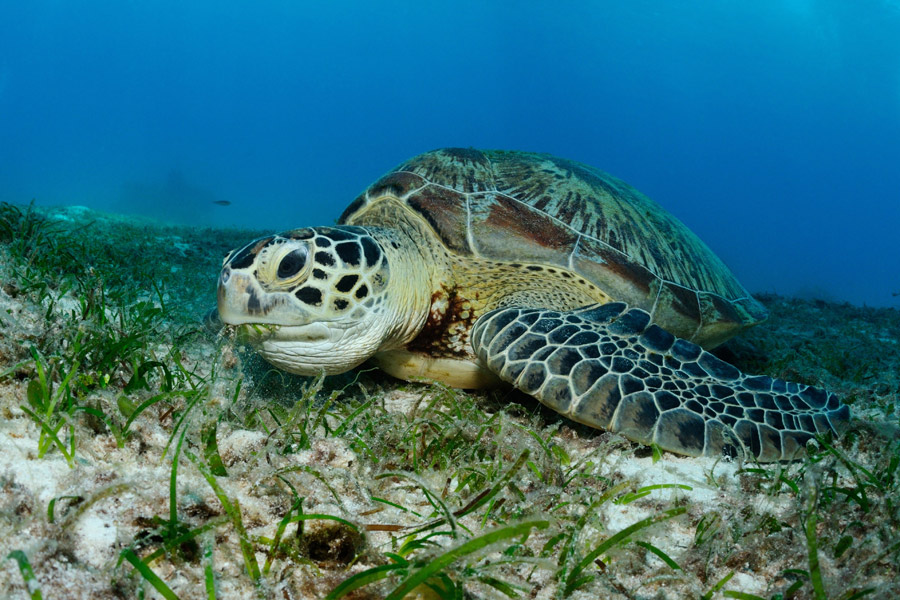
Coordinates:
(236, 295)
(241, 300)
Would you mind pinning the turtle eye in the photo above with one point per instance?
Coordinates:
(292, 263)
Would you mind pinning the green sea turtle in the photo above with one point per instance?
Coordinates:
(474, 267)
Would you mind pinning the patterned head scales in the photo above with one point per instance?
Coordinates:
(311, 287)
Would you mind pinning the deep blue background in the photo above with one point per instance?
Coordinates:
(772, 128)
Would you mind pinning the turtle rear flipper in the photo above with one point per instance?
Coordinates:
(607, 367)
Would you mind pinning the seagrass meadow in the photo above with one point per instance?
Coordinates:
(146, 454)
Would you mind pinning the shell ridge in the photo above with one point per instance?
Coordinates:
(656, 302)
(425, 184)
(469, 236)
(699, 312)
(571, 261)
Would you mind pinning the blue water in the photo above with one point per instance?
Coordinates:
(771, 128)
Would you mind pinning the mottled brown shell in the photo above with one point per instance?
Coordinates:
(525, 207)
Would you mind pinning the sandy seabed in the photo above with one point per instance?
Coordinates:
(107, 500)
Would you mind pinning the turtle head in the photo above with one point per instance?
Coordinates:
(310, 300)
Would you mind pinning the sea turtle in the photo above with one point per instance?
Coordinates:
(475, 267)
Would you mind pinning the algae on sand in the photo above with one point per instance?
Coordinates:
(139, 451)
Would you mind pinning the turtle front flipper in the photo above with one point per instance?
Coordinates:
(607, 367)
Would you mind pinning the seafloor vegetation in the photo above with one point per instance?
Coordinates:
(142, 455)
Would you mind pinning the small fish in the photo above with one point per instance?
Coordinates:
(222, 202)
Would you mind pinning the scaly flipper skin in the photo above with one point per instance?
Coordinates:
(606, 367)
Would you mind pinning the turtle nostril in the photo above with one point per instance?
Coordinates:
(225, 276)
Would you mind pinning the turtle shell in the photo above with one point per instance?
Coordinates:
(535, 208)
